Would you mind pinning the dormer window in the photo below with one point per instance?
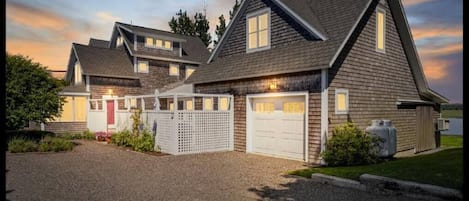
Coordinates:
(158, 43)
(258, 30)
(78, 78)
(119, 41)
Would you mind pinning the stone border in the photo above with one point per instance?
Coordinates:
(373, 183)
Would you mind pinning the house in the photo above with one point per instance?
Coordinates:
(299, 68)
(135, 61)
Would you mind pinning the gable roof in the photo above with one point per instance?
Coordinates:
(98, 43)
(103, 62)
(195, 51)
(338, 18)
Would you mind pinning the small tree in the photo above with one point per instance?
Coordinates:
(235, 9)
(32, 94)
(199, 26)
(136, 121)
(220, 29)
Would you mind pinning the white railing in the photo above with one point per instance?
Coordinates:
(178, 131)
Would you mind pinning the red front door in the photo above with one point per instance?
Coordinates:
(110, 112)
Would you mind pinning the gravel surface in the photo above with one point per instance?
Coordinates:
(94, 171)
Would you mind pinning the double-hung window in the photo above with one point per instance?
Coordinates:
(258, 30)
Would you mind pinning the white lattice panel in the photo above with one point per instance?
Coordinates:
(165, 134)
(96, 121)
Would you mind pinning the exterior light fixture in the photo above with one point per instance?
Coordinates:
(273, 85)
(110, 92)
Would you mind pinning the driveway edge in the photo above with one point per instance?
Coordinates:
(373, 183)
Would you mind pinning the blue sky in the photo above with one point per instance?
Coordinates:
(45, 29)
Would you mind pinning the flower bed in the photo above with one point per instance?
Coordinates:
(103, 136)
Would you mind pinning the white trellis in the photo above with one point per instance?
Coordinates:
(185, 123)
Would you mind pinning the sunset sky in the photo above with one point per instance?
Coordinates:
(44, 30)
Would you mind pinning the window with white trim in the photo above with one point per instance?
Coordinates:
(130, 102)
(223, 104)
(341, 101)
(174, 69)
(208, 103)
(78, 76)
(189, 71)
(380, 30)
(158, 43)
(258, 30)
(149, 42)
(142, 67)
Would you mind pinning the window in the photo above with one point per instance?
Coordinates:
(223, 104)
(119, 41)
(171, 106)
(167, 44)
(159, 43)
(380, 30)
(208, 104)
(189, 71)
(258, 30)
(293, 107)
(78, 78)
(265, 107)
(143, 66)
(174, 69)
(341, 101)
(74, 109)
(130, 102)
(189, 105)
(148, 42)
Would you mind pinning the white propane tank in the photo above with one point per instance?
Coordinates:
(392, 137)
(378, 129)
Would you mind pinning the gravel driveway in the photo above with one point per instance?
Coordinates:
(94, 171)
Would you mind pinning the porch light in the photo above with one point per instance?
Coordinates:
(110, 92)
(273, 85)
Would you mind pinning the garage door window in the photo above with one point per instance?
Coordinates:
(265, 107)
(293, 107)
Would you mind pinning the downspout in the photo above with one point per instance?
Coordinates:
(324, 110)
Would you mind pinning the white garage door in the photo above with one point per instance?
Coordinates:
(278, 126)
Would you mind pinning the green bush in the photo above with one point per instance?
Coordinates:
(123, 138)
(88, 135)
(21, 144)
(144, 142)
(350, 146)
(55, 144)
(34, 135)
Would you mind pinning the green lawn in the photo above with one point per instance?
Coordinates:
(443, 168)
(451, 141)
(451, 114)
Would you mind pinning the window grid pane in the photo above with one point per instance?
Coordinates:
(189, 105)
(263, 22)
(252, 24)
(380, 39)
(252, 40)
(263, 38)
(208, 104)
(223, 104)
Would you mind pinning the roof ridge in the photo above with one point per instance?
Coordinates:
(98, 39)
(105, 48)
(169, 32)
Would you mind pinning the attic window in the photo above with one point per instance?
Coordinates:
(258, 30)
(149, 42)
(119, 41)
(78, 76)
(380, 30)
(158, 43)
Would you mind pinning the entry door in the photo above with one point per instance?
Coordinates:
(110, 112)
(278, 127)
(425, 129)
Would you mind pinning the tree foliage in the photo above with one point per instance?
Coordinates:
(31, 92)
(220, 29)
(235, 9)
(198, 26)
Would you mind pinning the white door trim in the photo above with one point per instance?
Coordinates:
(269, 95)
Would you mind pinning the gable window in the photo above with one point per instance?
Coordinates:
(380, 30)
(258, 30)
(341, 101)
(78, 76)
(173, 69)
(189, 71)
(119, 41)
(143, 66)
(148, 42)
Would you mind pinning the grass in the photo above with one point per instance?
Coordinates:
(443, 168)
(451, 141)
(452, 113)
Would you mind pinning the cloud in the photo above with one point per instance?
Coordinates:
(435, 69)
(414, 2)
(107, 17)
(34, 17)
(431, 32)
(440, 50)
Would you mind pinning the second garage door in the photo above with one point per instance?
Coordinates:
(278, 126)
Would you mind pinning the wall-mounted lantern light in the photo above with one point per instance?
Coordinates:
(273, 85)
(110, 92)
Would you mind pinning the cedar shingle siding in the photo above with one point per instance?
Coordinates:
(375, 81)
(284, 29)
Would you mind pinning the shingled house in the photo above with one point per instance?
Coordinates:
(135, 61)
(299, 68)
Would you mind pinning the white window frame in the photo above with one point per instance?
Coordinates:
(187, 68)
(203, 104)
(269, 29)
(227, 102)
(380, 10)
(145, 62)
(342, 91)
(174, 65)
(77, 73)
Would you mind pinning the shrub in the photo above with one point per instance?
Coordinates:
(88, 135)
(123, 138)
(21, 144)
(350, 146)
(144, 142)
(55, 144)
(34, 135)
